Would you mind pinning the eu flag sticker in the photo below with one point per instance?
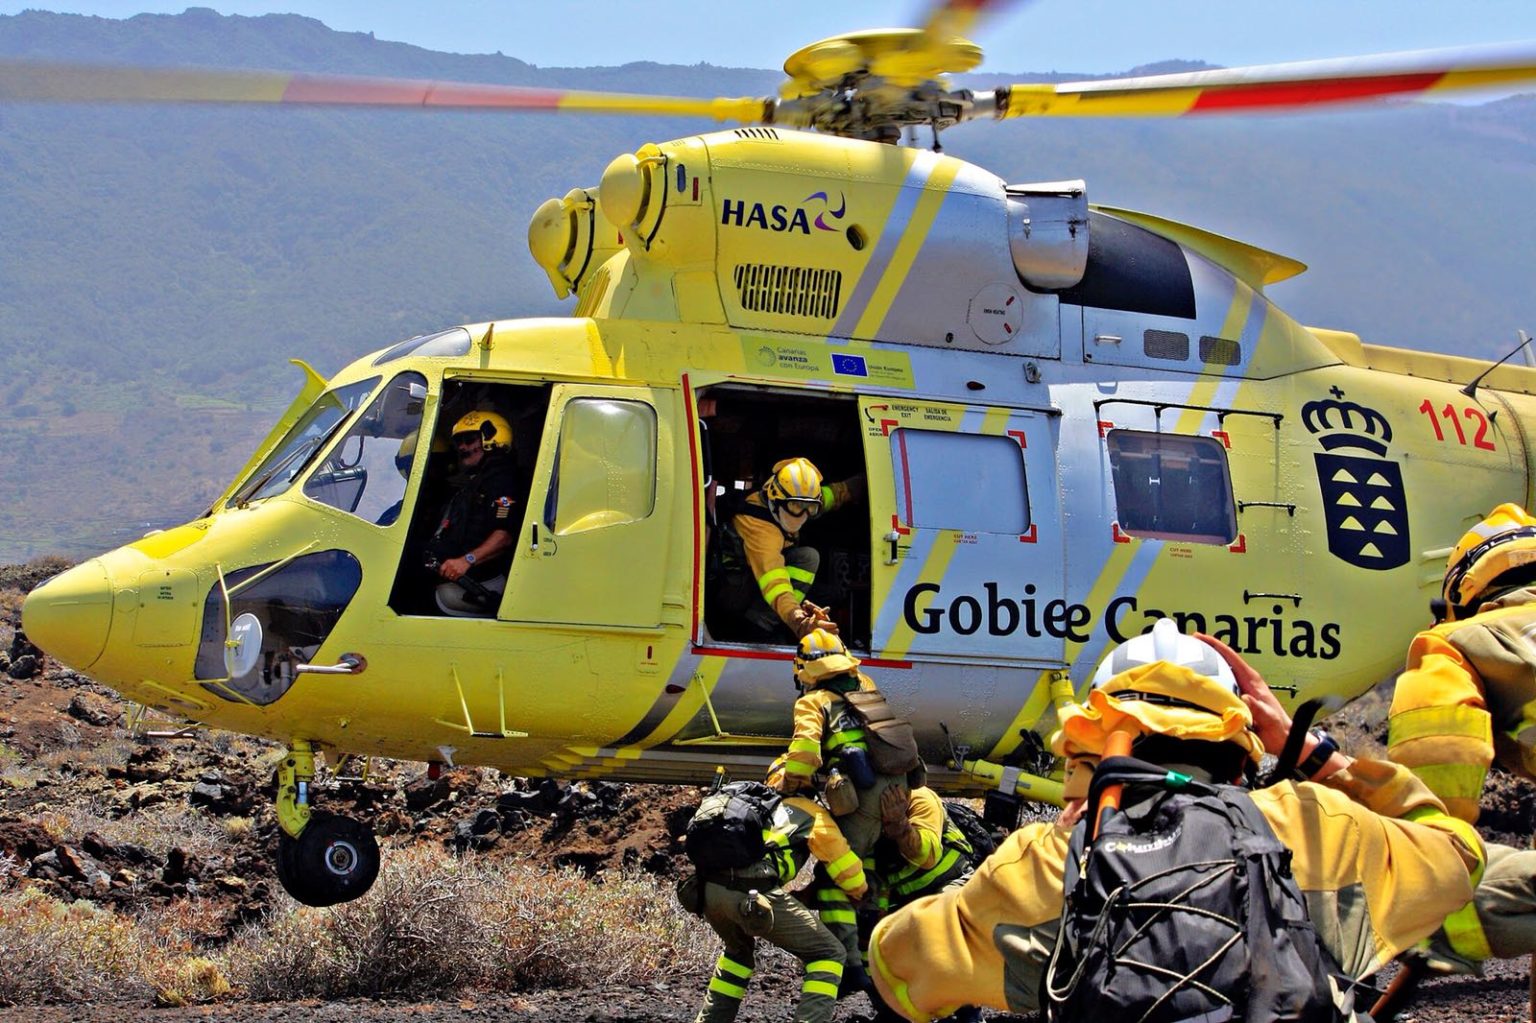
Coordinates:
(849, 366)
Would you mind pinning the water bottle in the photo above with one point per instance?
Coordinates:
(856, 762)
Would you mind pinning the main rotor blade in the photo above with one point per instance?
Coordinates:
(944, 19)
(46, 82)
(1277, 86)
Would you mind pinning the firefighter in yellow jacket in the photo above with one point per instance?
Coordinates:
(1468, 697)
(801, 828)
(765, 572)
(922, 851)
(827, 736)
(1379, 860)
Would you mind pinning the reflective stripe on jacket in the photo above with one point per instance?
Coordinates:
(822, 727)
(803, 828)
(1468, 694)
(934, 853)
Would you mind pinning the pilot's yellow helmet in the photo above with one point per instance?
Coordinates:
(406, 453)
(819, 655)
(494, 430)
(1163, 683)
(1504, 541)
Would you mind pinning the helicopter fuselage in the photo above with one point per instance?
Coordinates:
(1070, 422)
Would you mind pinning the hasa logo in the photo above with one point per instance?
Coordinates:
(815, 209)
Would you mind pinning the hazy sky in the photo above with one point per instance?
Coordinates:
(1046, 35)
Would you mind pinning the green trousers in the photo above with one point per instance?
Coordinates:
(1505, 903)
(787, 924)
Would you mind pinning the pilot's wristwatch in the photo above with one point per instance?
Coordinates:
(469, 559)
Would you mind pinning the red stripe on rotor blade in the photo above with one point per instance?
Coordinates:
(315, 89)
(1297, 94)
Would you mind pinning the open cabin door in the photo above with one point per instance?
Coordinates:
(966, 523)
(594, 542)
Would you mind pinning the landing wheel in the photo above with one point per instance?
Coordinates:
(334, 859)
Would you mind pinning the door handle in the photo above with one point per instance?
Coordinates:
(891, 539)
(348, 664)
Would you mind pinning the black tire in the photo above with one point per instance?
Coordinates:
(334, 859)
(287, 873)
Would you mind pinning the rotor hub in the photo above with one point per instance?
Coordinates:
(874, 84)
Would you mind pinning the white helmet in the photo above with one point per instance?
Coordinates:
(1166, 643)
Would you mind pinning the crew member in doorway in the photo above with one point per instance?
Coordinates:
(764, 571)
(473, 542)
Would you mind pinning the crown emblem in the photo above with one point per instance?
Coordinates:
(1339, 424)
(1364, 505)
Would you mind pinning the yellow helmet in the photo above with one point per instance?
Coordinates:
(406, 453)
(794, 489)
(494, 430)
(821, 654)
(1161, 683)
(1501, 543)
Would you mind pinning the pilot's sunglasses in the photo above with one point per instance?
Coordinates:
(467, 440)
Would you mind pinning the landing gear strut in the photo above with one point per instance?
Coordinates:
(322, 858)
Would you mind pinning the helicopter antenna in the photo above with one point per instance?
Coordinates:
(1471, 389)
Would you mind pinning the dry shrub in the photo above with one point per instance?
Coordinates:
(66, 953)
(432, 926)
(560, 928)
(237, 829)
(436, 925)
(413, 933)
(176, 965)
(195, 979)
(97, 758)
(158, 828)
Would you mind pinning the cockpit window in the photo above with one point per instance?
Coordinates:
(443, 344)
(316, 426)
(365, 474)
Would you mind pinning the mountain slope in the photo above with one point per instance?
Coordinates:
(161, 265)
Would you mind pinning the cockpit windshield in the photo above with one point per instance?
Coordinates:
(313, 429)
(366, 472)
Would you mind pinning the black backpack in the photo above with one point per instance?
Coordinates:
(726, 832)
(982, 838)
(1184, 908)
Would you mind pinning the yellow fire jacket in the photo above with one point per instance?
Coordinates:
(765, 542)
(932, 853)
(1374, 885)
(822, 727)
(1469, 693)
(803, 825)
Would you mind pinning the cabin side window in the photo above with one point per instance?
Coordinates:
(1172, 487)
(965, 482)
(605, 473)
(365, 474)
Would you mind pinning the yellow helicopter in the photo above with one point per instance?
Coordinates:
(1071, 419)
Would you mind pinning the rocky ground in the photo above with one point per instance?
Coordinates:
(71, 765)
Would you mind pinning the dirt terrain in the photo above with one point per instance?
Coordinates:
(68, 758)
